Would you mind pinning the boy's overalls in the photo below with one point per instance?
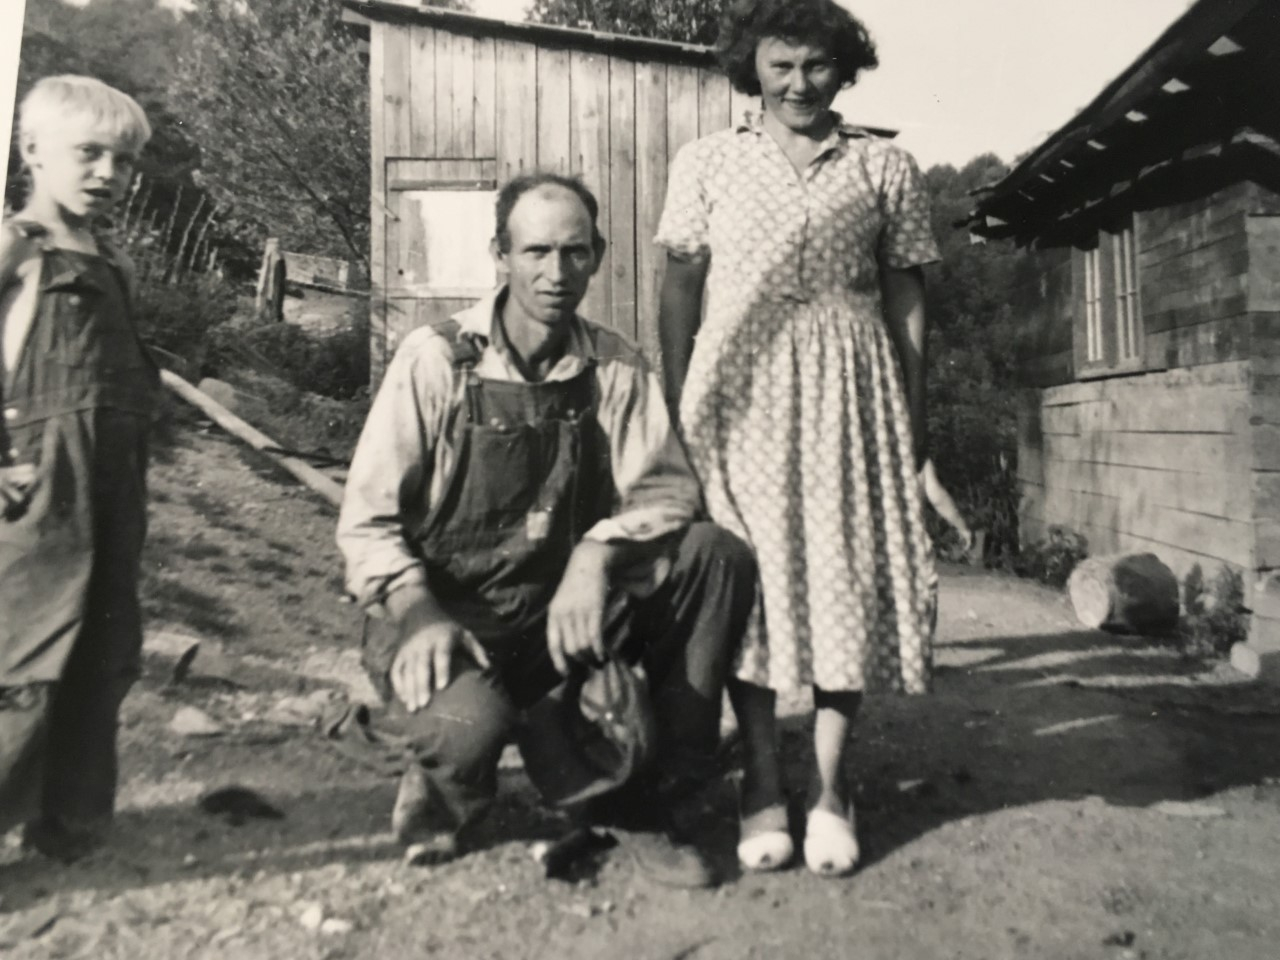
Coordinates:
(78, 401)
(532, 475)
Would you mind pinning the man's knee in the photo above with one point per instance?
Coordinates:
(464, 727)
(711, 548)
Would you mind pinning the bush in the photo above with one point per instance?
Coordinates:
(333, 365)
(1214, 618)
(296, 419)
(176, 318)
(1052, 559)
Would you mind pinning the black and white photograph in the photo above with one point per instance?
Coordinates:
(655, 479)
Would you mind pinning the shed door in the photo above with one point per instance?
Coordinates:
(439, 226)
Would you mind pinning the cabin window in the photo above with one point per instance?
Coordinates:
(444, 242)
(1126, 269)
(1111, 331)
(1093, 306)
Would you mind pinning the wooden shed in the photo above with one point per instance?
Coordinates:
(1151, 304)
(461, 103)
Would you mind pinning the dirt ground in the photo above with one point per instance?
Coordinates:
(1062, 794)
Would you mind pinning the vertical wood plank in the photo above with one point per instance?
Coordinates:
(622, 192)
(462, 134)
(713, 101)
(517, 108)
(589, 159)
(486, 116)
(396, 75)
(378, 197)
(422, 90)
(395, 320)
(651, 174)
(554, 91)
(740, 105)
(682, 107)
(444, 91)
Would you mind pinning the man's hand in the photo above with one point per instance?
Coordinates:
(424, 663)
(15, 489)
(575, 619)
(429, 641)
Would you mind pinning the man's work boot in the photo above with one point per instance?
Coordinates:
(656, 825)
(666, 859)
(58, 842)
(425, 843)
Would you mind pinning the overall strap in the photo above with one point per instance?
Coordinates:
(467, 349)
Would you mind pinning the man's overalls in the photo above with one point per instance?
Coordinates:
(532, 475)
(77, 402)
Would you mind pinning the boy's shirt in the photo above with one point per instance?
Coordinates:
(19, 291)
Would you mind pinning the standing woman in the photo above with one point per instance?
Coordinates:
(801, 396)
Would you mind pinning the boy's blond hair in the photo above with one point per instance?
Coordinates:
(57, 101)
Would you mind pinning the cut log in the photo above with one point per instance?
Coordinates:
(1125, 593)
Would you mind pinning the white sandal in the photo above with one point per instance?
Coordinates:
(830, 843)
(765, 846)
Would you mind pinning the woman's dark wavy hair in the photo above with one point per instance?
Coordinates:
(821, 23)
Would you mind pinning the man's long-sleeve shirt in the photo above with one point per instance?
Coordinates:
(406, 452)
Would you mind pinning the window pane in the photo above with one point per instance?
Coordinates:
(445, 239)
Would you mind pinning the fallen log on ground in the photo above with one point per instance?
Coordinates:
(1125, 593)
(328, 488)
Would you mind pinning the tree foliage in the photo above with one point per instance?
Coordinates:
(276, 96)
(972, 375)
(689, 21)
(132, 45)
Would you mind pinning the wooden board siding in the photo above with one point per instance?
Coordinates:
(555, 107)
(652, 160)
(516, 107)
(421, 94)
(377, 215)
(485, 115)
(1264, 263)
(1195, 276)
(1161, 459)
(1043, 302)
(441, 97)
(622, 194)
(713, 102)
(683, 89)
(589, 159)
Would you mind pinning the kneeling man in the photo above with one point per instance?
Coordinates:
(519, 502)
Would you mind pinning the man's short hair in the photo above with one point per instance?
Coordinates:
(54, 101)
(517, 187)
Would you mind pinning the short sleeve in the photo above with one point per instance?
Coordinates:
(683, 228)
(907, 239)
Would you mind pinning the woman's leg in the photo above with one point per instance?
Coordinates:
(765, 843)
(830, 845)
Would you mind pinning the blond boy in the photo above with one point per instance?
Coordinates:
(77, 389)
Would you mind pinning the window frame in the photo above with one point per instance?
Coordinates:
(1111, 339)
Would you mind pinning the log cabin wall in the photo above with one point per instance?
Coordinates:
(1182, 457)
(461, 108)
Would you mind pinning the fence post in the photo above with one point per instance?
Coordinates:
(269, 303)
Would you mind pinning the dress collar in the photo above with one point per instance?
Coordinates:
(753, 122)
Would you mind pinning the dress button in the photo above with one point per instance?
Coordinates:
(74, 299)
(11, 413)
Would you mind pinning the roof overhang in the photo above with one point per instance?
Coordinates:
(1198, 111)
(359, 13)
